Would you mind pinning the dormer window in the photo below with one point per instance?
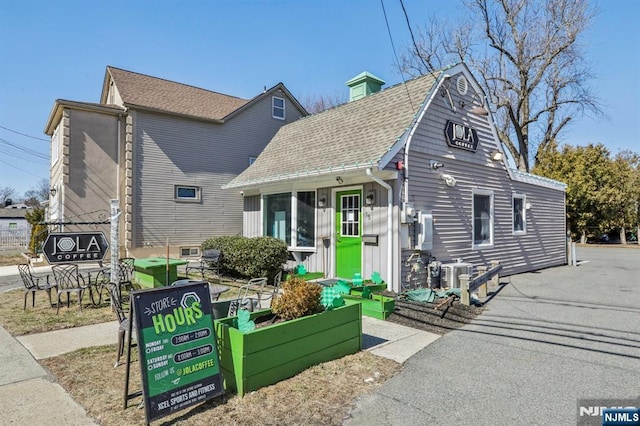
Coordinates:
(277, 108)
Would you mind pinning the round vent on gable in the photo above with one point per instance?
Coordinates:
(463, 85)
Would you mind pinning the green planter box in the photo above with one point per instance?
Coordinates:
(152, 272)
(374, 288)
(378, 306)
(270, 354)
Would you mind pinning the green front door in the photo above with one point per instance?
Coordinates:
(348, 233)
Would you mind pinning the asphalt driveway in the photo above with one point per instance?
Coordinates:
(547, 342)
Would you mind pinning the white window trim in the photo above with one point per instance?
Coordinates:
(193, 251)
(294, 218)
(490, 244)
(197, 198)
(273, 108)
(523, 197)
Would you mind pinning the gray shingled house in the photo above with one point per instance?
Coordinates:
(395, 177)
(164, 149)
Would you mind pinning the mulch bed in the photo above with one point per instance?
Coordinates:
(429, 317)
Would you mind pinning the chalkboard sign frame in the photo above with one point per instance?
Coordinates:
(177, 349)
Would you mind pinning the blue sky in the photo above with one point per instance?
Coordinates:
(59, 50)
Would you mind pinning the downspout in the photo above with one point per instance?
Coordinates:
(118, 158)
(389, 225)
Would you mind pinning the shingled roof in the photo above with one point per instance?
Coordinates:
(139, 90)
(352, 135)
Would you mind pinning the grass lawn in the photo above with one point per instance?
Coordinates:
(43, 317)
(11, 259)
(320, 395)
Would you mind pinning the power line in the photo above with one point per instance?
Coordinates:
(413, 39)
(404, 82)
(24, 134)
(8, 151)
(22, 170)
(21, 157)
(26, 150)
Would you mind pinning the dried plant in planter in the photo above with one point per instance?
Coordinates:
(299, 298)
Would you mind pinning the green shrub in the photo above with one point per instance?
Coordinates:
(249, 257)
(299, 298)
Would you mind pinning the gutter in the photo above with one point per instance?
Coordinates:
(389, 225)
(248, 184)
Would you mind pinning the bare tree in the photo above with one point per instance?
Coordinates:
(315, 104)
(35, 196)
(529, 63)
(7, 193)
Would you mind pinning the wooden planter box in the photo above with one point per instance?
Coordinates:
(270, 354)
(375, 288)
(378, 306)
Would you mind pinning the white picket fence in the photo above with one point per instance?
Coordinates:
(14, 238)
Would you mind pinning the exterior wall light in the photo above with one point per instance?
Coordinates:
(370, 198)
(322, 202)
(339, 180)
(479, 109)
(53, 191)
(449, 180)
(496, 155)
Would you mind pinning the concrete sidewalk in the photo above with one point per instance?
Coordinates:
(30, 397)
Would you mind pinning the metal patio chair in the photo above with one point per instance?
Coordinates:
(32, 285)
(268, 294)
(125, 271)
(103, 279)
(123, 320)
(68, 280)
(208, 262)
(244, 301)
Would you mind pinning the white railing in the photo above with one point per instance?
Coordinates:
(14, 238)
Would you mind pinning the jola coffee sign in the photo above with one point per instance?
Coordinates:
(176, 348)
(461, 136)
(72, 247)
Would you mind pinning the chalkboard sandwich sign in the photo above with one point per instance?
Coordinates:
(177, 348)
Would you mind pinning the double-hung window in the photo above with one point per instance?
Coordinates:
(482, 219)
(519, 214)
(277, 107)
(290, 217)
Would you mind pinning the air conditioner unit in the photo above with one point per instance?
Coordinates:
(451, 273)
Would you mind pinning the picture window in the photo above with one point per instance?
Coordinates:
(290, 217)
(187, 193)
